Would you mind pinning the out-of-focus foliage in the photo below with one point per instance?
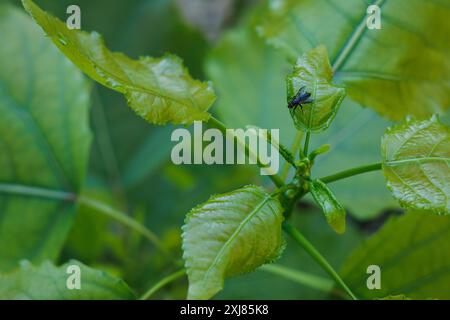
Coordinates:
(48, 282)
(412, 253)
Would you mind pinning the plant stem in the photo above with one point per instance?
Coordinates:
(300, 277)
(351, 172)
(222, 127)
(23, 190)
(305, 149)
(119, 216)
(312, 251)
(125, 220)
(294, 148)
(351, 43)
(166, 280)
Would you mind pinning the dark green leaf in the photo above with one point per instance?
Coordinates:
(48, 282)
(397, 297)
(416, 164)
(228, 235)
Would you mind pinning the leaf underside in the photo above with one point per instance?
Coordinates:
(412, 253)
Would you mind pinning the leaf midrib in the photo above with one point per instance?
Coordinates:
(395, 163)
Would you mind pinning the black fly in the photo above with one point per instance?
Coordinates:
(300, 99)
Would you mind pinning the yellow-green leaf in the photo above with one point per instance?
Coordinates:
(416, 164)
(313, 73)
(228, 235)
(334, 212)
(160, 90)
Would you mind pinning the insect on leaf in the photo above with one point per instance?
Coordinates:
(313, 74)
(228, 235)
(49, 282)
(416, 164)
(334, 212)
(160, 90)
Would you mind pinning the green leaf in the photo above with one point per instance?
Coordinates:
(354, 137)
(412, 253)
(313, 73)
(158, 89)
(230, 234)
(416, 164)
(251, 88)
(48, 282)
(44, 144)
(401, 69)
(334, 212)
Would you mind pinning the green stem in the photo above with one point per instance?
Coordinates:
(222, 127)
(119, 216)
(351, 43)
(351, 172)
(166, 280)
(308, 136)
(299, 277)
(294, 148)
(125, 220)
(22, 190)
(312, 251)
